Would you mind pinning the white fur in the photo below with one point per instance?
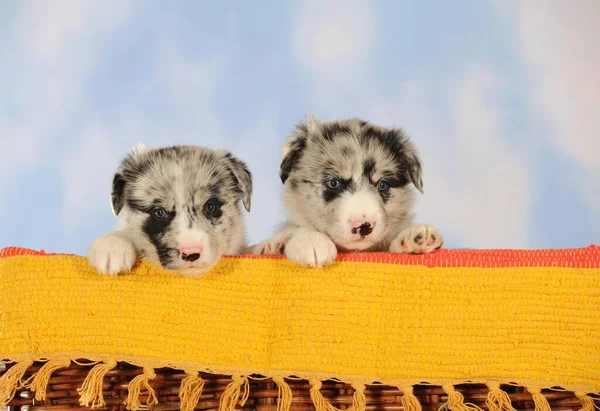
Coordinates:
(112, 253)
(418, 239)
(310, 248)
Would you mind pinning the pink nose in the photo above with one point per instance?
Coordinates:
(363, 226)
(190, 253)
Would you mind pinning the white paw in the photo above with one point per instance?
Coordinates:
(273, 246)
(311, 248)
(112, 254)
(417, 239)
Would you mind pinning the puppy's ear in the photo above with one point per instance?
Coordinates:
(242, 177)
(117, 200)
(295, 145)
(413, 163)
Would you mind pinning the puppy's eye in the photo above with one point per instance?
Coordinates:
(211, 207)
(333, 184)
(383, 186)
(159, 213)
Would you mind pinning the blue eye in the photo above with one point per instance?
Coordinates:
(383, 186)
(333, 184)
(211, 207)
(159, 213)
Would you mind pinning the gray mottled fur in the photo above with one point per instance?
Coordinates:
(182, 180)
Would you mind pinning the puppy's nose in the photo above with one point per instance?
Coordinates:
(190, 253)
(362, 226)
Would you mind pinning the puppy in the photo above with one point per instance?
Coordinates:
(177, 207)
(347, 186)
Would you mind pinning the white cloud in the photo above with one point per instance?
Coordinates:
(49, 32)
(476, 187)
(333, 41)
(55, 51)
(189, 87)
(87, 175)
(260, 147)
(559, 40)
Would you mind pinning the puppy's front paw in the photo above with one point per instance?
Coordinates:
(112, 254)
(311, 248)
(418, 239)
(273, 246)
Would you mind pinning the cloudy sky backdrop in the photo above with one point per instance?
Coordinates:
(501, 97)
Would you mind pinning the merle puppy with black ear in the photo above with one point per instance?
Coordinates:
(177, 207)
(348, 186)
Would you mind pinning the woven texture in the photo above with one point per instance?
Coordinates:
(522, 317)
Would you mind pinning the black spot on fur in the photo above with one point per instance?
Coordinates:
(155, 230)
(215, 216)
(116, 197)
(330, 131)
(369, 168)
(393, 182)
(289, 162)
(394, 142)
(331, 194)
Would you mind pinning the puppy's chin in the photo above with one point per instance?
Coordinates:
(354, 245)
(194, 272)
(188, 271)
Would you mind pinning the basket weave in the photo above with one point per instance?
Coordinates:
(62, 393)
(452, 330)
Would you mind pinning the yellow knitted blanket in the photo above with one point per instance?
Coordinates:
(530, 318)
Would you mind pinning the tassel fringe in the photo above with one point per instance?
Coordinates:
(498, 400)
(135, 388)
(456, 401)
(12, 380)
(409, 401)
(238, 391)
(38, 383)
(541, 403)
(231, 395)
(90, 392)
(587, 403)
(359, 401)
(284, 398)
(190, 391)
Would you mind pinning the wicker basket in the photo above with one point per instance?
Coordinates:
(62, 393)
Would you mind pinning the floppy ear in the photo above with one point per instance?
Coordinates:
(117, 201)
(413, 162)
(242, 177)
(295, 145)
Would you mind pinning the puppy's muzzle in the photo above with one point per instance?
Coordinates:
(190, 254)
(362, 227)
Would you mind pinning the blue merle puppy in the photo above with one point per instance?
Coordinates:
(176, 206)
(348, 186)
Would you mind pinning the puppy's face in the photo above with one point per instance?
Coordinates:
(180, 205)
(350, 180)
